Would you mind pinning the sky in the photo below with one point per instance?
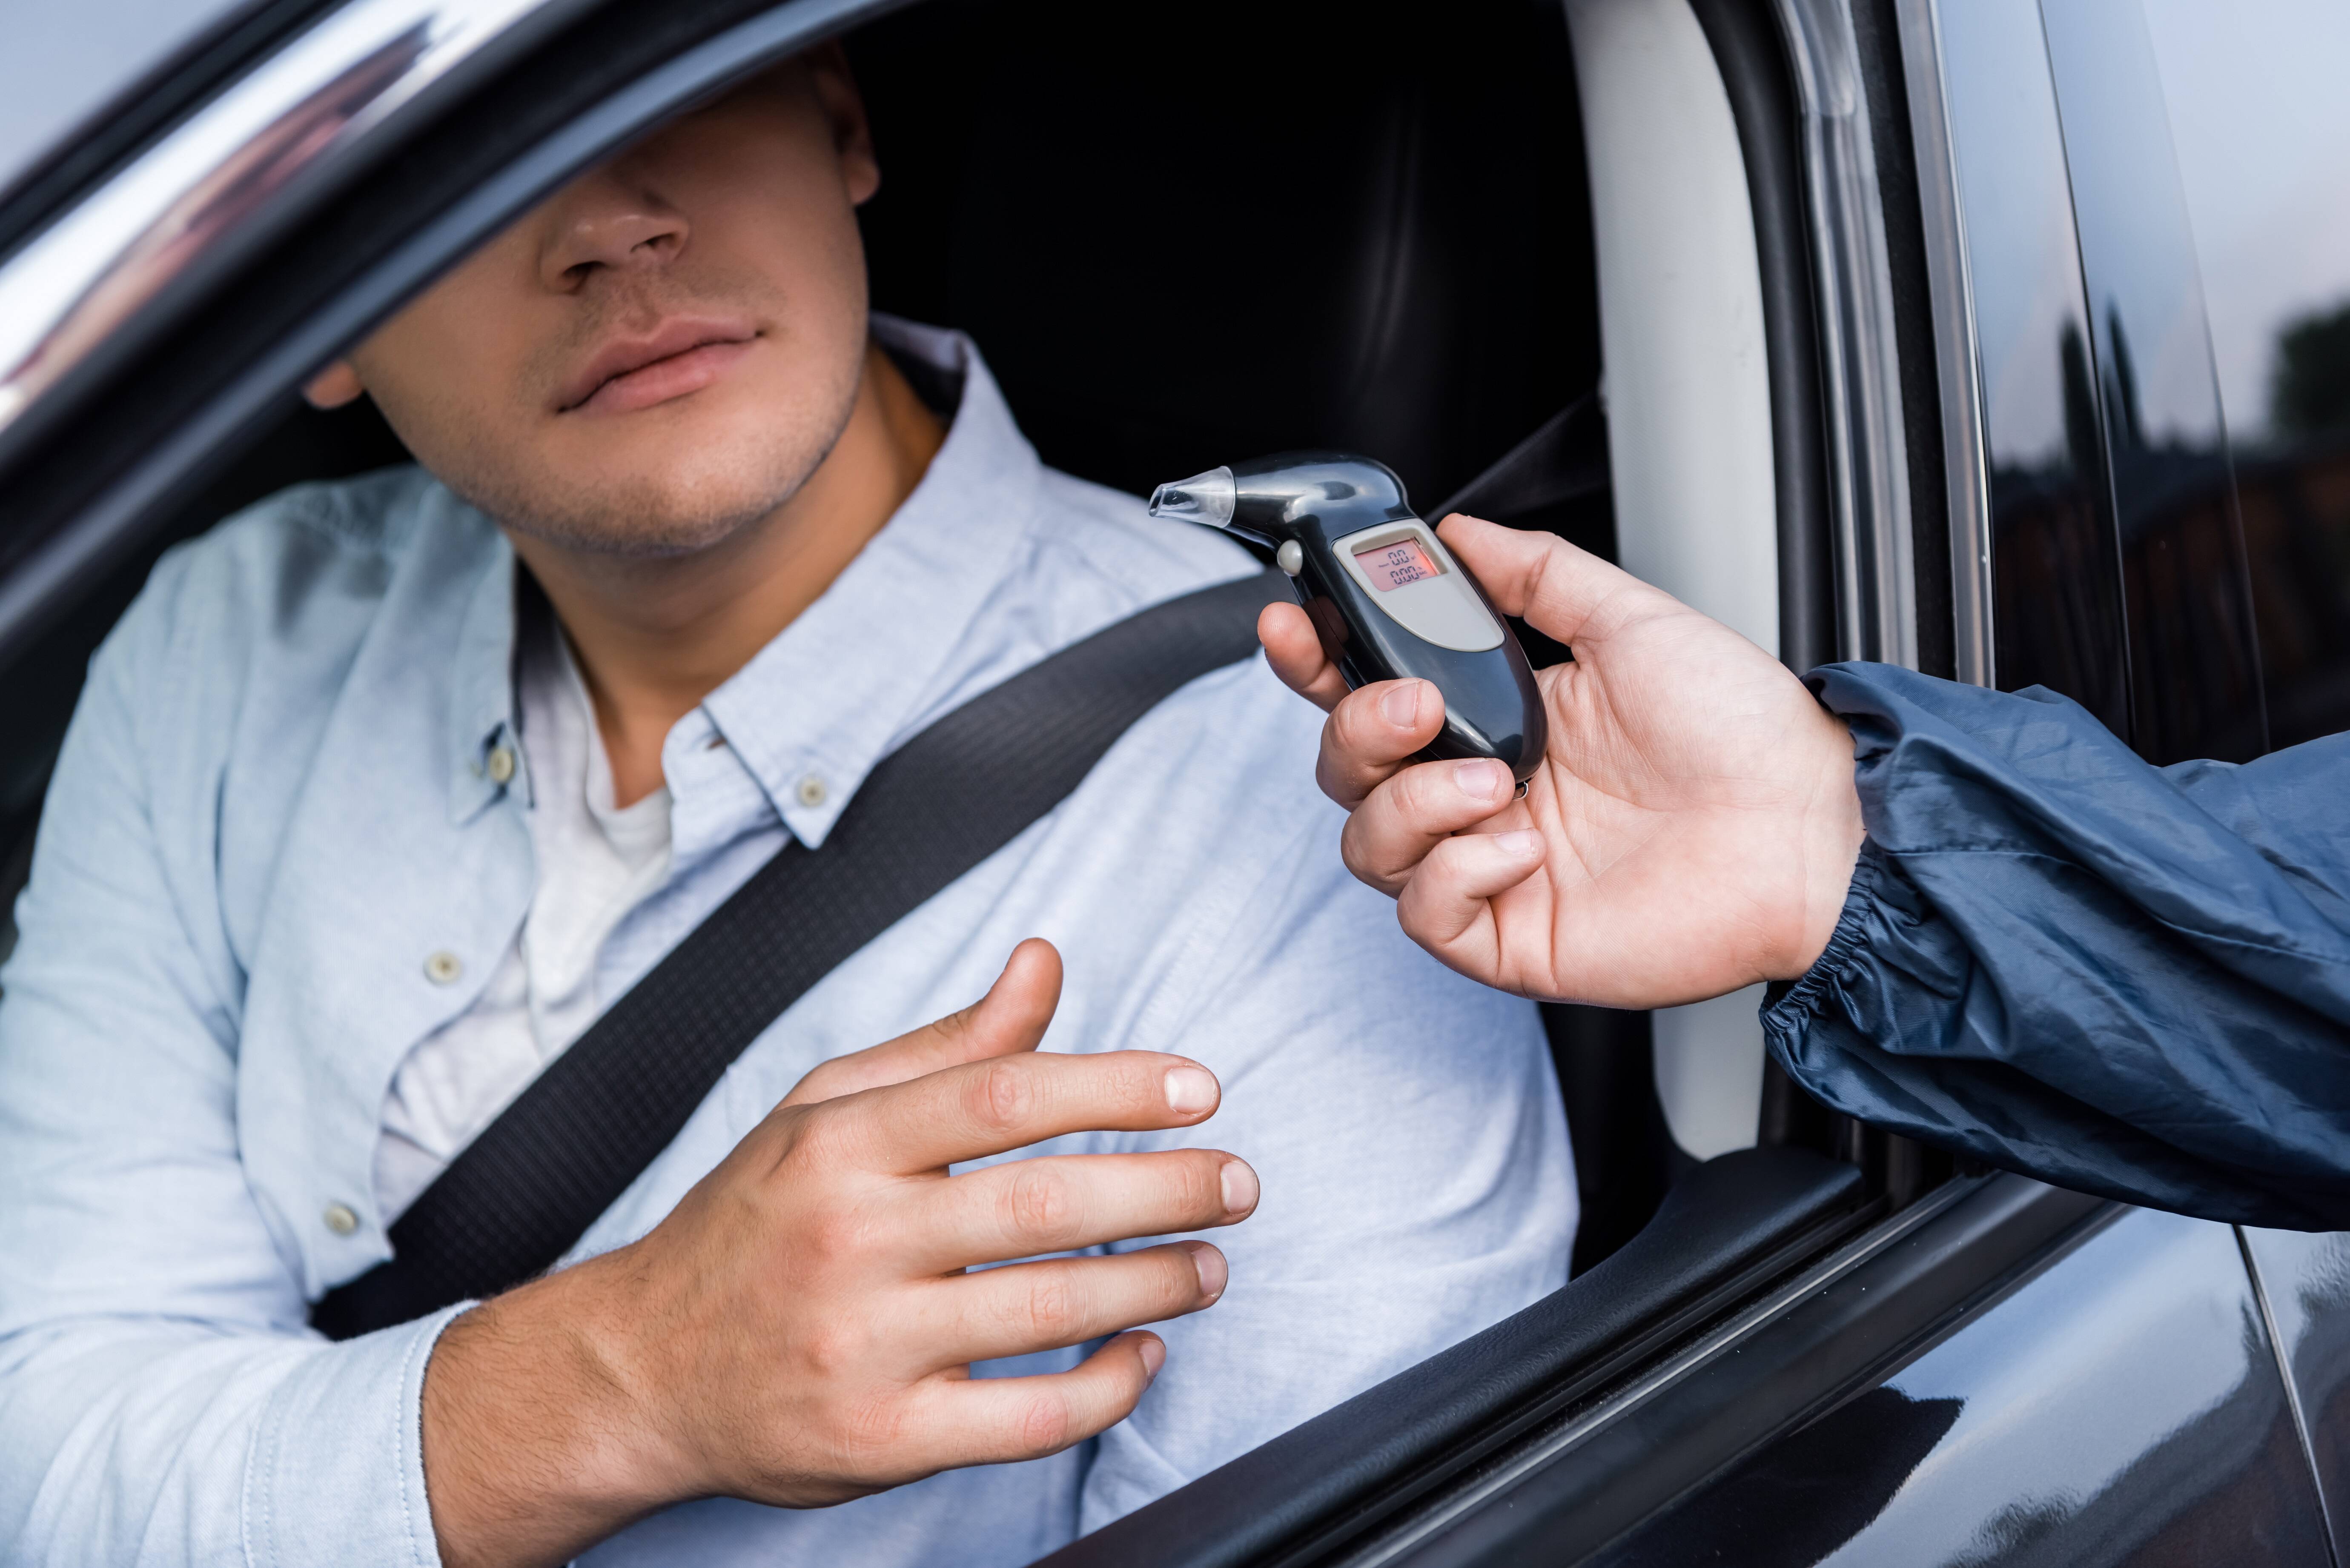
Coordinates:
(65, 58)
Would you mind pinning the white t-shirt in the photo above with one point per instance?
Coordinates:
(596, 861)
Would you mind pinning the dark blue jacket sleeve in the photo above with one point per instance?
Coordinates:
(2122, 979)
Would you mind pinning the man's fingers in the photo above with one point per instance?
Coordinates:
(995, 1420)
(1010, 1017)
(1372, 733)
(1417, 809)
(1446, 898)
(1063, 1302)
(1296, 654)
(1059, 1204)
(1554, 586)
(991, 1107)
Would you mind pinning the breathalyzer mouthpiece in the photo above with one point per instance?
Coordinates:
(1206, 498)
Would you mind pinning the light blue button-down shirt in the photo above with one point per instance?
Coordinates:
(273, 807)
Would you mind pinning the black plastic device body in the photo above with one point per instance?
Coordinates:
(1317, 501)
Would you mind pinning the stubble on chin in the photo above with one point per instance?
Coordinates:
(662, 515)
(685, 500)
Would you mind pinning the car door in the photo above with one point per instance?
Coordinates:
(2263, 139)
(1998, 1373)
(2124, 1404)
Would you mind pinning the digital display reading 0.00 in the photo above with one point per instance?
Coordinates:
(1390, 567)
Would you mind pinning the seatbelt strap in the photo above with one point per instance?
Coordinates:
(521, 1194)
(1563, 460)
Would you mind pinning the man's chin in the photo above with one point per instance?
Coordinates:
(639, 486)
(633, 519)
(644, 534)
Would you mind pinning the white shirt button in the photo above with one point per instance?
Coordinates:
(501, 764)
(812, 791)
(442, 967)
(341, 1219)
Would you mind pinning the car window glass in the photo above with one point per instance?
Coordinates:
(2195, 689)
(2262, 125)
(63, 62)
(2056, 583)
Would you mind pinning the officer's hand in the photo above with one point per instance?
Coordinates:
(1693, 825)
(799, 1330)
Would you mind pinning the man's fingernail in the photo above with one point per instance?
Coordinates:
(1480, 779)
(1400, 707)
(1154, 1356)
(1213, 1271)
(1525, 843)
(1240, 1187)
(1190, 1089)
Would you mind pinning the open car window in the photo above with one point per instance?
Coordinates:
(1420, 266)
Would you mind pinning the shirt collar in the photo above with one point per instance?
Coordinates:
(819, 706)
(816, 708)
(481, 696)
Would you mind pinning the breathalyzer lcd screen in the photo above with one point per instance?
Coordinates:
(1391, 566)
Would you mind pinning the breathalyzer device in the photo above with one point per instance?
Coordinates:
(1388, 600)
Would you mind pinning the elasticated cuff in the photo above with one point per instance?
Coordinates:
(1788, 1008)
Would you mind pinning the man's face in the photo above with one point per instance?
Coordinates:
(663, 352)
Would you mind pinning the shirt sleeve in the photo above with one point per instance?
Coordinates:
(2125, 980)
(1407, 1128)
(161, 1400)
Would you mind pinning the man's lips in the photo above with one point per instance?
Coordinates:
(683, 355)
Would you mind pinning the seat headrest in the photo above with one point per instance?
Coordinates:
(1188, 235)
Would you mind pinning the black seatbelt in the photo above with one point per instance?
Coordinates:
(521, 1193)
(1565, 458)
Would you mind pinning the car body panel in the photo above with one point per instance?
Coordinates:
(2122, 1406)
(1838, 1328)
(2304, 1284)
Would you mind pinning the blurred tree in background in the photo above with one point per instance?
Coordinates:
(2310, 389)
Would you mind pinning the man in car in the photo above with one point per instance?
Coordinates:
(1991, 925)
(384, 790)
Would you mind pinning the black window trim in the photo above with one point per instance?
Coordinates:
(1841, 1327)
(1868, 473)
(1966, 462)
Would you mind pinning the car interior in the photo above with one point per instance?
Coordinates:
(1542, 260)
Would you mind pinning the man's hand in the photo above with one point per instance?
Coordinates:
(1693, 828)
(799, 1330)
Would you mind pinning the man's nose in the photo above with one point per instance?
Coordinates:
(606, 224)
